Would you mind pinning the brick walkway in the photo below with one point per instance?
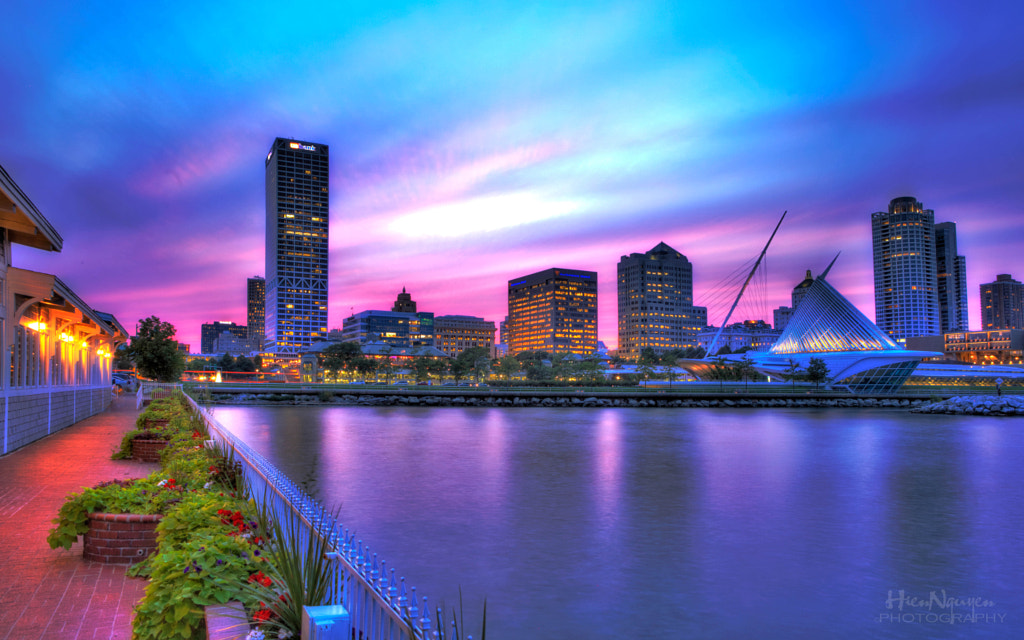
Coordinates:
(46, 593)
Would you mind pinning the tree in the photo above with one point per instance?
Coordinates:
(365, 366)
(645, 369)
(793, 371)
(421, 366)
(341, 356)
(648, 360)
(590, 371)
(507, 367)
(122, 357)
(155, 351)
(817, 371)
(226, 362)
(474, 362)
(745, 369)
(670, 374)
(437, 367)
(243, 363)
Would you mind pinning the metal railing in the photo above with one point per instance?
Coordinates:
(146, 391)
(381, 606)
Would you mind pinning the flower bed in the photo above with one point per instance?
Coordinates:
(191, 530)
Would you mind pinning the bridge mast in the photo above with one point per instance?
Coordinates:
(714, 343)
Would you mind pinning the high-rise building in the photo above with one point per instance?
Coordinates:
(297, 225)
(553, 310)
(906, 291)
(211, 331)
(951, 279)
(800, 290)
(656, 302)
(255, 303)
(455, 334)
(1002, 304)
(782, 315)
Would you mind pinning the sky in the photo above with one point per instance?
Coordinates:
(473, 143)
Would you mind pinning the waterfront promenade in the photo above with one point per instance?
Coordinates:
(55, 594)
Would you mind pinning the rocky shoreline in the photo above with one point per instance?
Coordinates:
(581, 400)
(976, 406)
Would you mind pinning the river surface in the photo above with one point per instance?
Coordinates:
(677, 523)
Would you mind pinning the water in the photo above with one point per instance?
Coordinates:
(649, 523)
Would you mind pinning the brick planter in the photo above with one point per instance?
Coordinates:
(120, 538)
(148, 450)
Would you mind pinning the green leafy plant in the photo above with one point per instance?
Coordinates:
(298, 571)
(204, 566)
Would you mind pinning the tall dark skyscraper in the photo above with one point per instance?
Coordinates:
(255, 314)
(906, 291)
(553, 310)
(1002, 304)
(951, 275)
(297, 225)
(656, 302)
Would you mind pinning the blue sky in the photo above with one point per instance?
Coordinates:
(472, 143)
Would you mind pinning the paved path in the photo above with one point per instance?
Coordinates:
(46, 593)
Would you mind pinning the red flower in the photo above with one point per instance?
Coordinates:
(262, 615)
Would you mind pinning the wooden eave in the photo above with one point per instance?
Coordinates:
(24, 223)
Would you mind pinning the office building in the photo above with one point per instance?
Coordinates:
(553, 310)
(396, 328)
(232, 344)
(296, 255)
(655, 291)
(1002, 304)
(951, 279)
(210, 332)
(906, 291)
(255, 310)
(455, 334)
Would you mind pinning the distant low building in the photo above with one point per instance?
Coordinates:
(211, 331)
(755, 335)
(454, 334)
(232, 344)
(311, 360)
(399, 329)
(1000, 346)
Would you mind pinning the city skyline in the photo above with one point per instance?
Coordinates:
(528, 137)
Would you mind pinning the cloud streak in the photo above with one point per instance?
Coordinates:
(474, 144)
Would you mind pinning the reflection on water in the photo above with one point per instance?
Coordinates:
(647, 523)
